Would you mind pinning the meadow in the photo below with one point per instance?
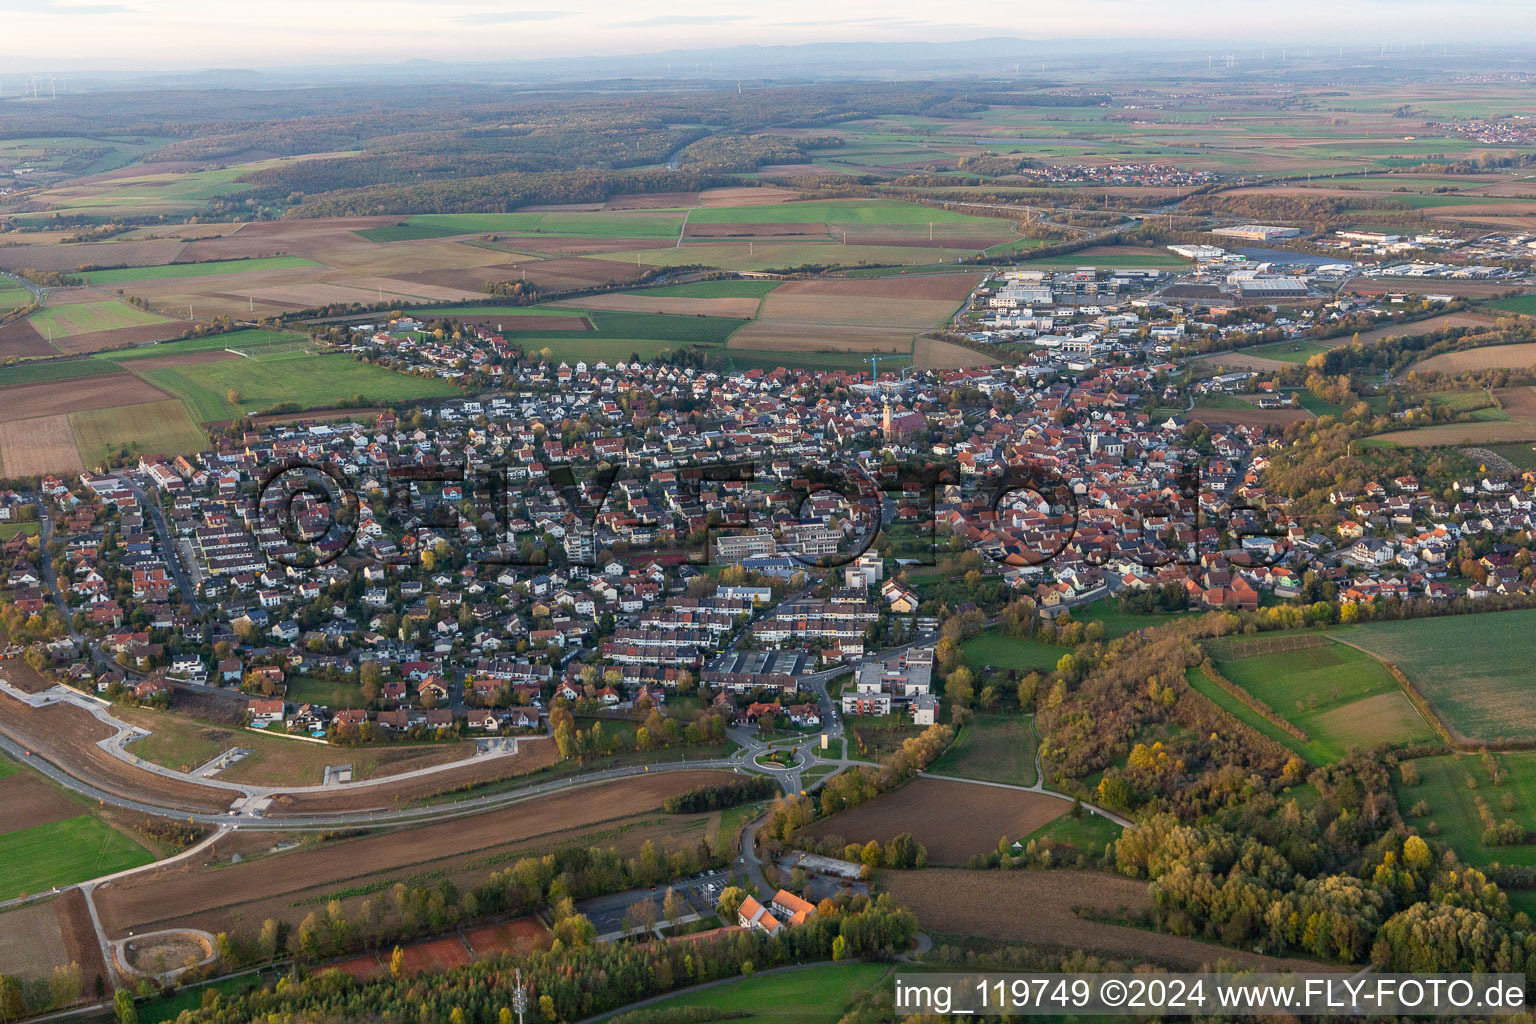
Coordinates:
(1450, 788)
(812, 995)
(64, 852)
(211, 269)
(1341, 697)
(43, 370)
(1476, 671)
(991, 648)
(162, 428)
(308, 381)
(993, 748)
(90, 317)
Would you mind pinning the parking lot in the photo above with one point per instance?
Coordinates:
(700, 892)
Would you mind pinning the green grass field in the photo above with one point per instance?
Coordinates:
(837, 211)
(9, 530)
(13, 296)
(993, 748)
(1298, 351)
(776, 255)
(1342, 697)
(1523, 304)
(991, 648)
(89, 317)
(1477, 671)
(407, 233)
(629, 224)
(1088, 833)
(64, 852)
(1452, 803)
(211, 269)
(41, 370)
(310, 381)
(814, 995)
(248, 340)
(162, 428)
(309, 690)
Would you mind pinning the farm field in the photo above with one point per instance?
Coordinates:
(242, 895)
(162, 428)
(1475, 670)
(43, 370)
(1341, 697)
(309, 381)
(90, 318)
(63, 852)
(993, 748)
(954, 820)
(212, 268)
(1488, 357)
(1042, 907)
(815, 995)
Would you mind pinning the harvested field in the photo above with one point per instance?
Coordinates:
(934, 354)
(100, 341)
(1519, 402)
(52, 398)
(954, 820)
(541, 246)
(1244, 361)
(1490, 357)
(761, 335)
(236, 896)
(1462, 318)
(29, 800)
(79, 935)
(151, 252)
(1419, 285)
(791, 304)
(1041, 907)
(24, 677)
(652, 201)
(286, 237)
(578, 272)
(741, 308)
(745, 196)
(951, 288)
(43, 444)
(19, 338)
(1249, 417)
(67, 735)
(1460, 434)
(34, 942)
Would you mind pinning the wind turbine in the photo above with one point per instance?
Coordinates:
(53, 93)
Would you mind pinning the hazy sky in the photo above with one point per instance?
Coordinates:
(207, 33)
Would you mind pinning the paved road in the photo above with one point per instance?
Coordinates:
(169, 551)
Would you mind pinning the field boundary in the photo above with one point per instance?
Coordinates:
(1210, 671)
(1447, 732)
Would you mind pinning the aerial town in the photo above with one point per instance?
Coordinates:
(594, 540)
